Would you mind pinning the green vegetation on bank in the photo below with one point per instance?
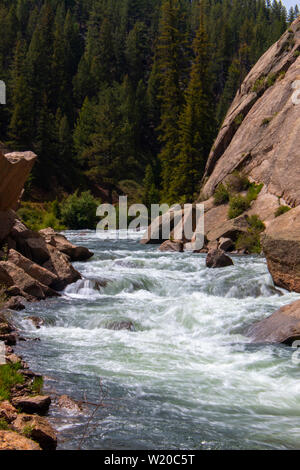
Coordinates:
(102, 90)
(9, 377)
(76, 212)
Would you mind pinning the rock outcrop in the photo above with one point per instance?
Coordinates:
(75, 253)
(38, 429)
(281, 245)
(14, 170)
(10, 440)
(281, 327)
(265, 145)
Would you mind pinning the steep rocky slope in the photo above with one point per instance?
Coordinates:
(260, 134)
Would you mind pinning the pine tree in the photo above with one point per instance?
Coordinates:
(172, 73)
(197, 123)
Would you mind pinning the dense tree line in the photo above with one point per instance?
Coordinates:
(112, 90)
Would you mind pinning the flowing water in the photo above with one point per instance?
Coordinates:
(186, 377)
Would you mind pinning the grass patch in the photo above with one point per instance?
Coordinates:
(37, 386)
(221, 195)
(27, 430)
(9, 377)
(253, 192)
(282, 210)
(238, 182)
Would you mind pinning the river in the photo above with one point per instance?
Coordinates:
(186, 377)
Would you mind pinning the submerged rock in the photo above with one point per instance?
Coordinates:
(124, 325)
(175, 246)
(281, 327)
(218, 259)
(66, 402)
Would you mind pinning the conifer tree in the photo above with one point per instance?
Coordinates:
(197, 123)
(172, 74)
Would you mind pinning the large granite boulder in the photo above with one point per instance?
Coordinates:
(281, 246)
(17, 280)
(281, 327)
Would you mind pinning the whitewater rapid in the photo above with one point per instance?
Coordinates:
(186, 377)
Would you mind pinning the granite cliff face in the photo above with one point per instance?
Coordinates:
(260, 134)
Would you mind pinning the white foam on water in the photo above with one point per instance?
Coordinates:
(188, 360)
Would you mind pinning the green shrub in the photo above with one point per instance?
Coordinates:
(250, 241)
(282, 210)
(296, 53)
(221, 195)
(256, 224)
(259, 85)
(253, 192)
(9, 377)
(79, 211)
(266, 121)
(237, 205)
(38, 216)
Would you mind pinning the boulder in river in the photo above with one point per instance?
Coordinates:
(59, 241)
(175, 246)
(123, 325)
(281, 327)
(218, 259)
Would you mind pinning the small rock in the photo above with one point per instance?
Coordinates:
(7, 411)
(172, 246)
(38, 322)
(10, 440)
(218, 259)
(37, 428)
(68, 403)
(39, 404)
